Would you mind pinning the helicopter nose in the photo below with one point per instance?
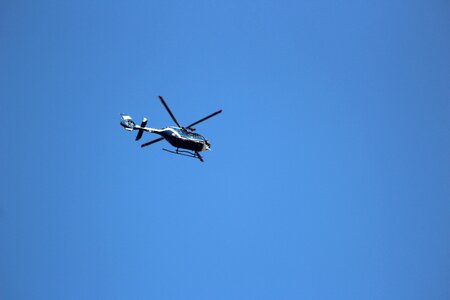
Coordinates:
(206, 146)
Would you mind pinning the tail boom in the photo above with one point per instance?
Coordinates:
(128, 123)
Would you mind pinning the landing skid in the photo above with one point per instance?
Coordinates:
(193, 154)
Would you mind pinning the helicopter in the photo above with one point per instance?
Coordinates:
(178, 136)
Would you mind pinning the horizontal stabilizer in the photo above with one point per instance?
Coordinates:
(141, 131)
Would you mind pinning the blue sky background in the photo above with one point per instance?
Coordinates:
(329, 174)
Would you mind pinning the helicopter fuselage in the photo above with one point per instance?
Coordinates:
(182, 138)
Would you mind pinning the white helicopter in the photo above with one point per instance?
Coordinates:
(178, 136)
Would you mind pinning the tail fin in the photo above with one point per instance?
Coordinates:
(141, 131)
(127, 122)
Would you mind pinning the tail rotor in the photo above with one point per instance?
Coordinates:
(128, 123)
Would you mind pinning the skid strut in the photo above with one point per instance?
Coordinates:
(186, 153)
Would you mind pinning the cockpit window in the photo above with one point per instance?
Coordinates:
(189, 134)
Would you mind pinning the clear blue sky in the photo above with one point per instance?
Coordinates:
(329, 176)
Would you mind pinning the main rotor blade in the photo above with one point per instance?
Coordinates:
(205, 118)
(170, 112)
(152, 142)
